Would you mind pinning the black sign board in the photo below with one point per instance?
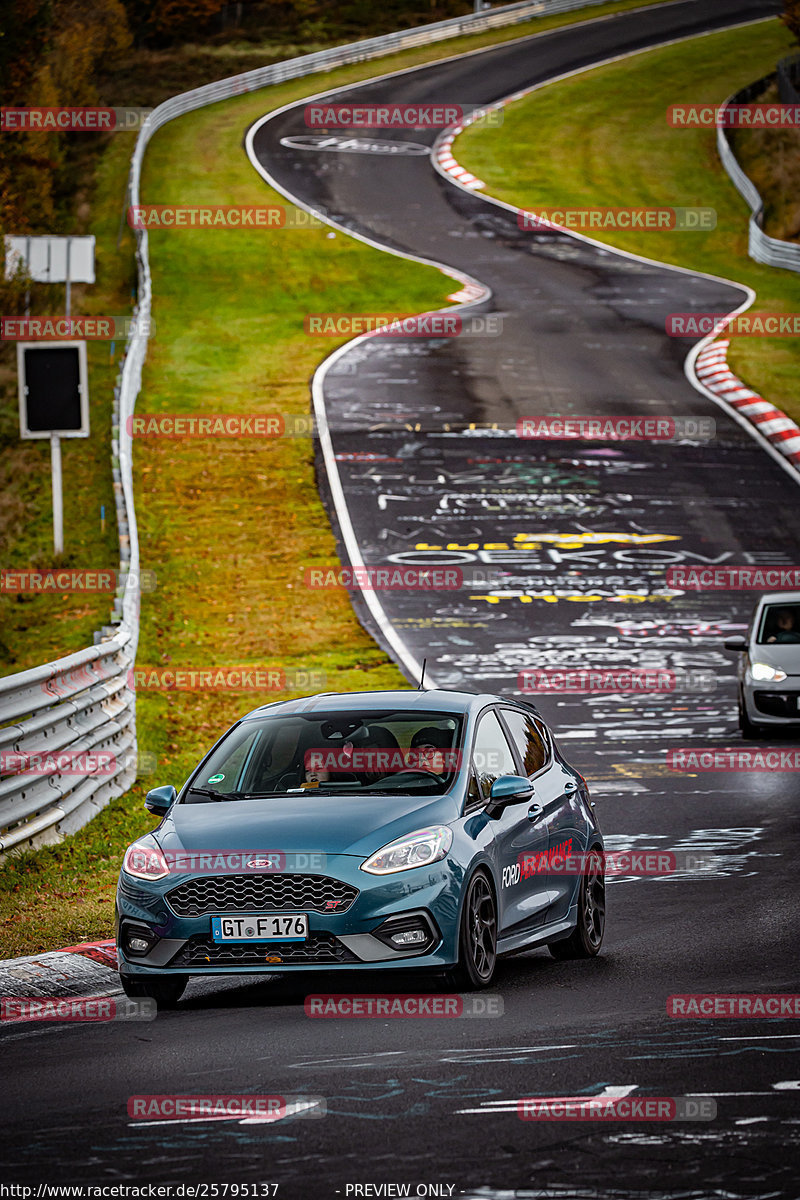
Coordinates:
(53, 393)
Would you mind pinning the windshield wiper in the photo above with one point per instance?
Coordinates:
(217, 795)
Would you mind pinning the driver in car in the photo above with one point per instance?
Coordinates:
(429, 745)
(786, 629)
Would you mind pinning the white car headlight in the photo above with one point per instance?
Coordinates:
(763, 672)
(145, 860)
(417, 850)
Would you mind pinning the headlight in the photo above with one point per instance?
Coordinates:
(763, 672)
(145, 860)
(418, 850)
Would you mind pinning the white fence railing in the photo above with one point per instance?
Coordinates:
(770, 251)
(82, 703)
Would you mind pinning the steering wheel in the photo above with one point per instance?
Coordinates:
(417, 771)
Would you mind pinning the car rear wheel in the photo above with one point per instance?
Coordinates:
(166, 990)
(587, 937)
(477, 940)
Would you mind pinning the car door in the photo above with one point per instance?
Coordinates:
(522, 902)
(556, 791)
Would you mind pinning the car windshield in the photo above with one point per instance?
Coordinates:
(780, 623)
(394, 751)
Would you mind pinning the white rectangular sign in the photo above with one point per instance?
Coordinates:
(46, 258)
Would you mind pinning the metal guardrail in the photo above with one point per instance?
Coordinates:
(788, 73)
(772, 252)
(82, 702)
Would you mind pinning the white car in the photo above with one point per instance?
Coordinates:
(769, 665)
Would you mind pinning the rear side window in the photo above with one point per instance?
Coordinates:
(528, 739)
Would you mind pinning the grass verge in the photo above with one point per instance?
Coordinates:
(627, 156)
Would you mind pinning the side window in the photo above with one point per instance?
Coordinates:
(474, 797)
(492, 755)
(528, 739)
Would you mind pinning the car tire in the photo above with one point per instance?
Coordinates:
(749, 728)
(587, 936)
(477, 937)
(166, 990)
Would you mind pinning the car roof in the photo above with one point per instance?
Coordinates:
(442, 699)
(780, 597)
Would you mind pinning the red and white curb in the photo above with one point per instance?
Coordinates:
(444, 157)
(88, 969)
(714, 373)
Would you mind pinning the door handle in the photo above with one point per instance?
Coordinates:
(570, 787)
(534, 812)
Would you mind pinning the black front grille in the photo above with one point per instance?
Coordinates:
(778, 704)
(319, 948)
(260, 893)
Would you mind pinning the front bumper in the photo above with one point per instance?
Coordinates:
(773, 703)
(182, 944)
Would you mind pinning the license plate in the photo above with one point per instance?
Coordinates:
(260, 927)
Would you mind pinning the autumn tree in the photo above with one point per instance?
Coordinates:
(791, 17)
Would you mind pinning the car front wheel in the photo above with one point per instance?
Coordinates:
(587, 937)
(749, 728)
(477, 941)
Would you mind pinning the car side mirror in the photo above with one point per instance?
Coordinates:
(736, 643)
(508, 789)
(160, 800)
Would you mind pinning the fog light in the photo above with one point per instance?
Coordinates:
(414, 931)
(409, 937)
(137, 939)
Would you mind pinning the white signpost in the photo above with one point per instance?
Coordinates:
(52, 376)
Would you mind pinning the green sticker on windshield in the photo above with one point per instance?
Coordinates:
(216, 779)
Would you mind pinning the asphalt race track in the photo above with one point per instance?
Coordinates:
(423, 434)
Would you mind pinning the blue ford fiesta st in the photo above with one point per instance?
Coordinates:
(370, 830)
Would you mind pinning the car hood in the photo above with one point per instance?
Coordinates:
(785, 655)
(357, 825)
